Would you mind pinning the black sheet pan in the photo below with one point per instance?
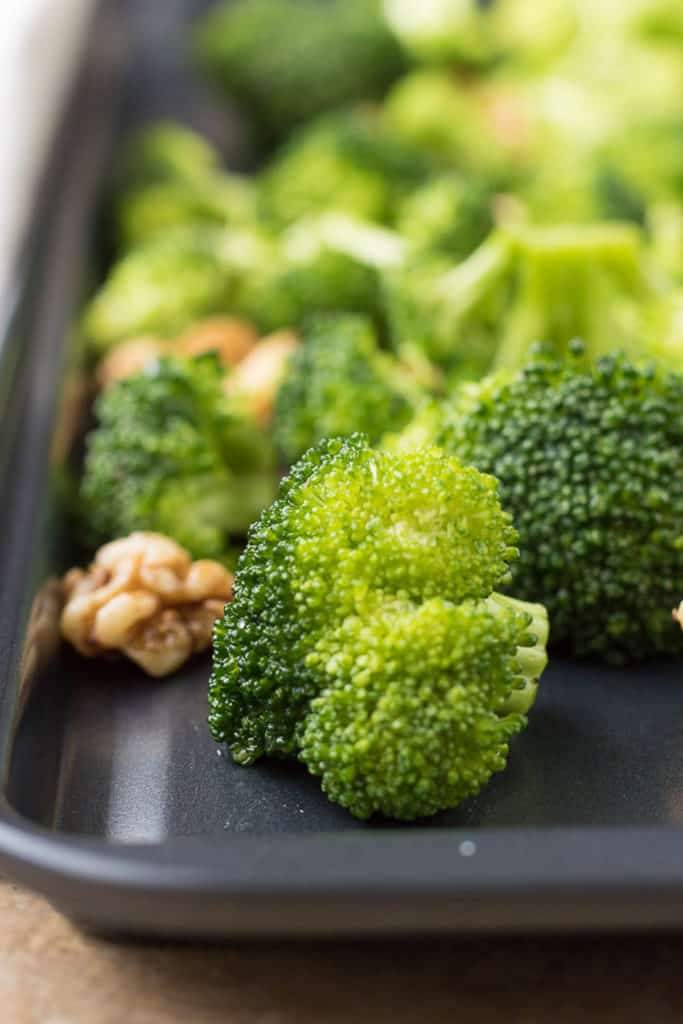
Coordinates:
(114, 801)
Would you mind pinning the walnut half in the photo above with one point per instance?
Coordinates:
(144, 596)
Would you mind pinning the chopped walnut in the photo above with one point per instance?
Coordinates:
(257, 378)
(230, 337)
(144, 596)
(130, 357)
(678, 614)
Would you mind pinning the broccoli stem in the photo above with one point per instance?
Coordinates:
(532, 656)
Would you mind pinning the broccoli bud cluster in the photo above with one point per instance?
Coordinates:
(364, 635)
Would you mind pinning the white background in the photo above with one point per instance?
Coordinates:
(39, 43)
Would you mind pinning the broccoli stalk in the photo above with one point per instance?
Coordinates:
(522, 287)
(172, 454)
(572, 282)
(590, 464)
(363, 635)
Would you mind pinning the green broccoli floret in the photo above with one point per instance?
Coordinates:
(579, 281)
(159, 288)
(347, 162)
(479, 130)
(286, 61)
(449, 315)
(520, 288)
(590, 465)
(442, 31)
(148, 212)
(426, 721)
(166, 152)
(473, 33)
(337, 383)
(321, 264)
(171, 453)
(449, 214)
(363, 554)
(171, 177)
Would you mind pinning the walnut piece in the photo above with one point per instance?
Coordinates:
(144, 596)
(257, 377)
(129, 358)
(230, 337)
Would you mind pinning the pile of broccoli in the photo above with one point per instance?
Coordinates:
(458, 268)
(365, 637)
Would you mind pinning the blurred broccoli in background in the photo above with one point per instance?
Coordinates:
(286, 61)
(172, 453)
(163, 152)
(522, 287)
(476, 34)
(577, 281)
(321, 264)
(447, 314)
(159, 288)
(364, 637)
(347, 162)
(338, 382)
(450, 214)
(481, 128)
(171, 177)
(589, 460)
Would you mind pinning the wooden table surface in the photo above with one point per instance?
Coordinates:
(52, 974)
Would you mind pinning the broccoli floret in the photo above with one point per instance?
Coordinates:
(159, 288)
(347, 162)
(449, 214)
(476, 34)
(590, 465)
(286, 61)
(520, 288)
(325, 264)
(449, 315)
(444, 30)
(427, 721)
(337, 383)
(171, 453)
(580, 281)
(146, 213)
(357, 542)
(170, 177)
(464, 126)
(166, 152)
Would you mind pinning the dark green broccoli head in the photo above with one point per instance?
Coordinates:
(288, 60)
(337, 383)
(357, 541)
(346, 162)
(159, 288)
(170, 453)
(590, 465)
(449, 214)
